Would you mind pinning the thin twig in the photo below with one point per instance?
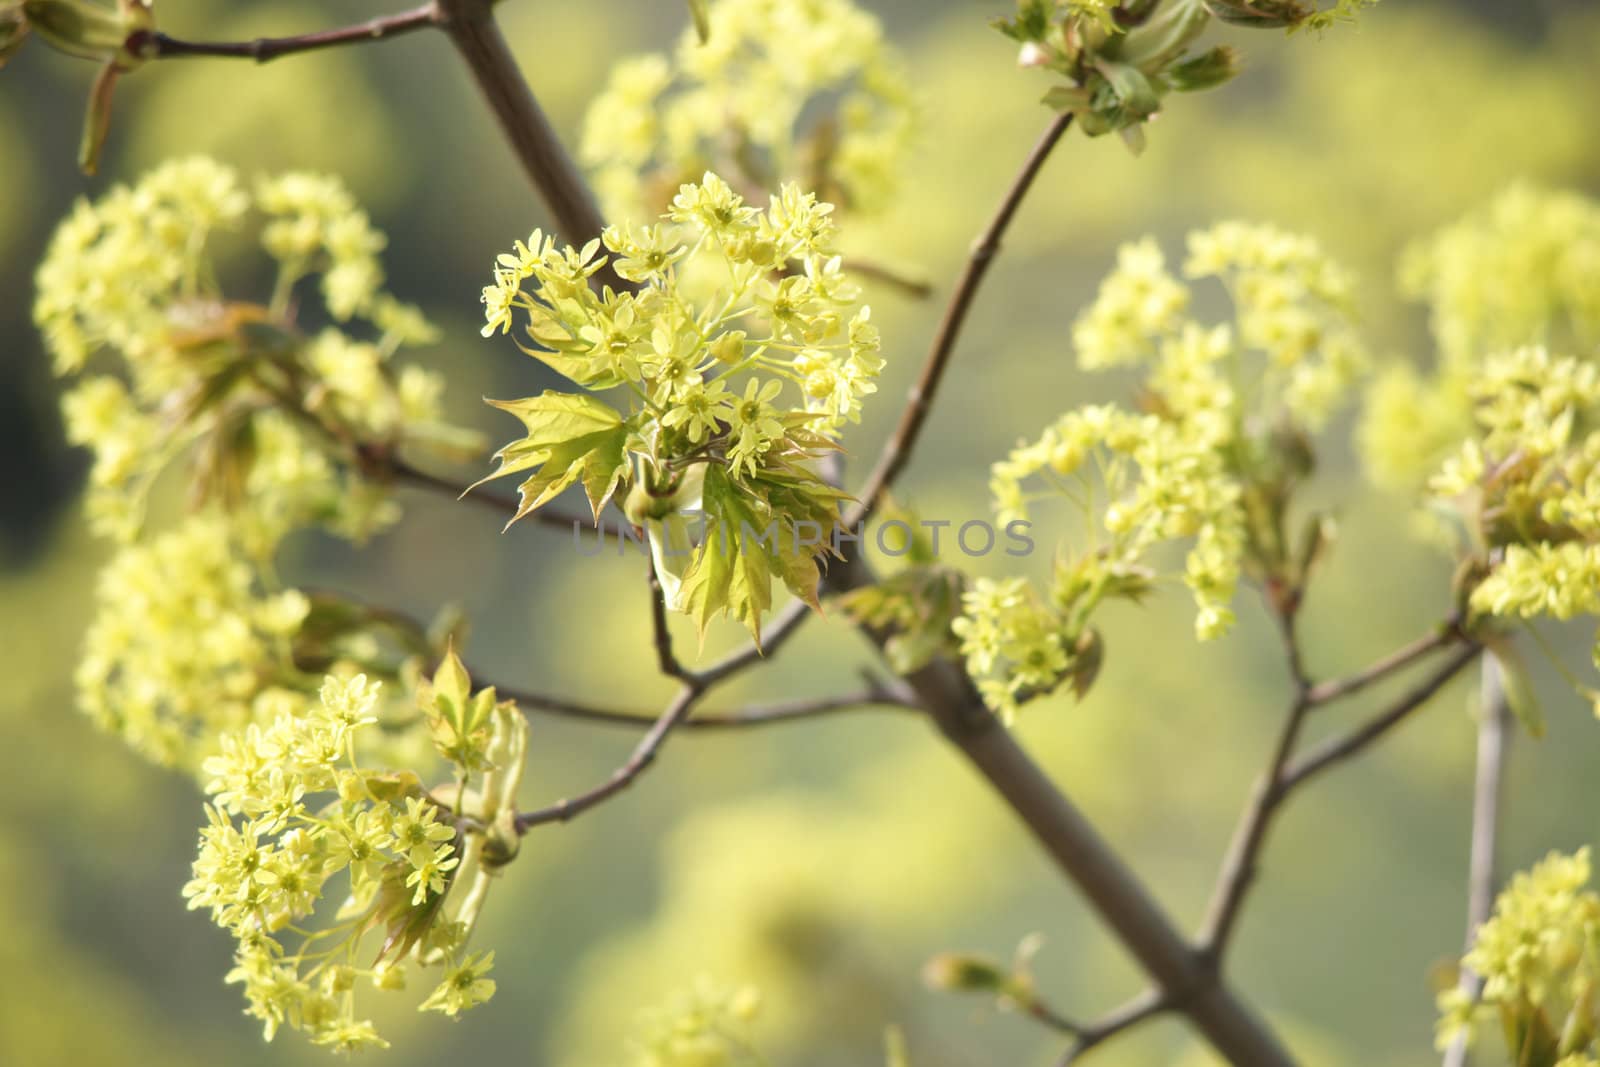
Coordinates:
(1487, 794)
(643, 756)
(1145, 1006)
(666, 659)
(1340, 748)
(874, 696)
(784, 626)
(920, 401)
(503, 503)
(1441, 636)
(1244, 851)
(1284, 774)
(153, 44)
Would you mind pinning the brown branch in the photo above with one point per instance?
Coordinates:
(897, 453)
(1240, 864)
(1115, 893)
(1341, 748)
(643, 756)
(1487, 794)
(1282, 777)
(477, 37)
(503, 503)
(1441, 636)
(153, 44)
(784, 626)
(1145, 1006)
(875, 695)
(666, 659)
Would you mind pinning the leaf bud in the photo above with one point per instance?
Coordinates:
(1205, 71)
(1260, 14)
(953, 972)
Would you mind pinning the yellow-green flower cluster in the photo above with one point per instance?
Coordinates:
(1293, 305)
(1505, 433)
(260, 408)
(1524, 270)
(781, 91)
(1147, 480)
(1212, 460)
(295, 815)
(704, 1027)
(1527, 485)
(730, 391)
(271, 430)
(1519, 271)
(1012, 640)
(1539, 959)
(185, 644)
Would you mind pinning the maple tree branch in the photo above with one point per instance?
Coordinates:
(1488, 793)
(1343, 747)
(919, 403)
(153, 44)
(644, 754)
(1441, 636)
(1141, 1008)
(472, 28)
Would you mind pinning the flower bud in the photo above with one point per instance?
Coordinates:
(13, 31)
(1205, 71)
(1260, 14)
(729, 348)
(86, 30)
(952, 972)
(1033, 54)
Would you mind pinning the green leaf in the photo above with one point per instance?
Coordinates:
(731, 572)
(571, 437)
(773, 525)
(1066, 98)
(1137, 96)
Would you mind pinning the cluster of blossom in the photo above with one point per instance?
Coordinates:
(267, 426)
(1219, 432)
(260, 407)
(704, 1027)
(186, 645)
(1509, 438)
(295, 813)
(1012, 640)
(1541, 977)
(731, 390)
(781, 91)
(1293, 305)
(1524, 270)
(1157, 484)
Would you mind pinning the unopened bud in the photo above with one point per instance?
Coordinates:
(729, 348)
(952, 972)
(1205, 71)
(1260, 14)
(86, 30)
(13, 31)
(1033, 54)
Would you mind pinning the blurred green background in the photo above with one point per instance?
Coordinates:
(823, 862)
